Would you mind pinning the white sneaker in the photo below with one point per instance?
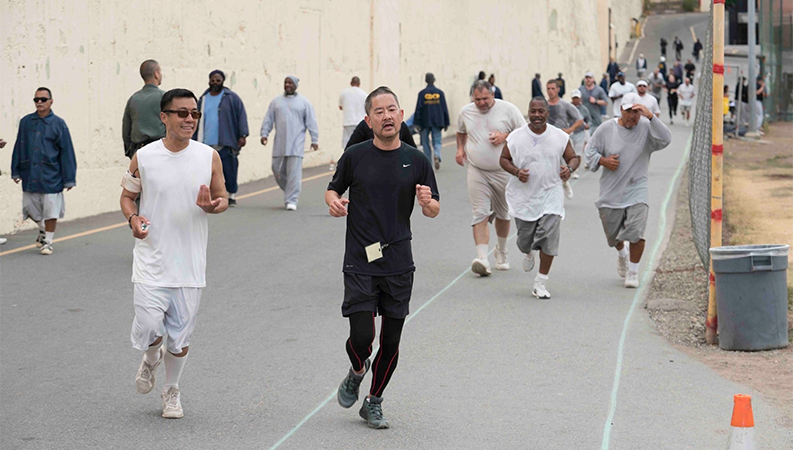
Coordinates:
(147, 373)
(568, 190)
(575, 176)
(3, 241)
(291, 207)
(46, 248)
(502, 263)
(481, 267)
(632, 280)
(171, 406)
(539, 291)
(528, 261)
(622, 265)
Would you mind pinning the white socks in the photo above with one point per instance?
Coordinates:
(48, 235)
(153, 353)
(623, 252)
(633, 267)
(233, 196)
(481, 251)
(540, 278)
(173, 369)
(502, 243)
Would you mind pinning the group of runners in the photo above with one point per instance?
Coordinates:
(515, 170)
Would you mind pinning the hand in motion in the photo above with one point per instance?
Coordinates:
(643, 111)
(2, 143)
(314, 147)
(264, 140)
(338, 207)
(460, 157)
(565, 173)
(497, 138)
(611, 162)
(523, 175)
(424, 195)
(137, 226)
(241, 142)
(204, 200)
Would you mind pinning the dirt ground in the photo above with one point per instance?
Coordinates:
(758, 209)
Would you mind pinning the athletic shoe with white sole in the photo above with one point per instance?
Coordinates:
(372, 412)
(46, 249)
(291, 207)
(171, 405)
(147, 373)
(437, 163)
(568, 190)
(347, 394)
(40, 239)
(539, 291)
(622, 265)
(632, 280)
(502, 263)
(481, 267)
(3, 241)
(528, 261)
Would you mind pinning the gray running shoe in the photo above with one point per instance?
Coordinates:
(372, 412)
(347, 394)
(147, 373)
(46, 249)
(40, 239)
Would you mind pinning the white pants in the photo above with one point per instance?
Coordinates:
(758, 114)
(163, 310)
(346, 135)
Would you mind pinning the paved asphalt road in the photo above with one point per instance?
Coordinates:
(483, 364)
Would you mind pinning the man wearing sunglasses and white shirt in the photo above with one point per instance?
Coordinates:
(180, 181)
(44, 161)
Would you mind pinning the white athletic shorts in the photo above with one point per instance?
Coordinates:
(39, 206)
(487, 191)
(163, 311)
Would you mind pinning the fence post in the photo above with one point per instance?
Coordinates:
(717, 122)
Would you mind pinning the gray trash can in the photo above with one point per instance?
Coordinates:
(751, 296)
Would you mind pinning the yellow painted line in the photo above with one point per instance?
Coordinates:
(693, 34)
(122, 224)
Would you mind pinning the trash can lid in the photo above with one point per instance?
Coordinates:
(738, 251)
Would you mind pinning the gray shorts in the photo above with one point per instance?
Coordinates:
(40, 206)
(625, 224)
(542, 234)
(488, 193)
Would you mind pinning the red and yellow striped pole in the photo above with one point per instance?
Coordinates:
(717, 161)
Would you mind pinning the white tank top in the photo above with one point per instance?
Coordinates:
(542, 155)
(174, 252)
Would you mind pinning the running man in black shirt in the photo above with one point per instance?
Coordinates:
(383, 176)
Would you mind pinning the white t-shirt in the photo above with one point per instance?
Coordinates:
(686, 93)
(542, 155)
(174, 253)
(651, 103)
(352, 102)
(502, 117)
(620, 89)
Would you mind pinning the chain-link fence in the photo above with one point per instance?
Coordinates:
(776, 41)
(699, 162)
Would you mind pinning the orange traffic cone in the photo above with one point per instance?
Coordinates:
(742, 435)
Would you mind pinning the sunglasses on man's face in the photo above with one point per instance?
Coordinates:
(40, 99)
(183, 113)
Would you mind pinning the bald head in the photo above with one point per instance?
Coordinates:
(150, 71)
(355, 81)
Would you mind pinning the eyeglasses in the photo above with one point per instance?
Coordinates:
(40, 99)
(183, 113)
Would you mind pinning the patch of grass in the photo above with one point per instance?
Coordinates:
(690, 5)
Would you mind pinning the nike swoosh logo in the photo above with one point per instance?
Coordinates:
(405, 165)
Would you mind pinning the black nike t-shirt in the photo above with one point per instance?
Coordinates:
(382, 186)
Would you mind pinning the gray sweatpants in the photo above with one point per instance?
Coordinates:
(288, 173)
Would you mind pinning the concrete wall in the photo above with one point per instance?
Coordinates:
(88, 52)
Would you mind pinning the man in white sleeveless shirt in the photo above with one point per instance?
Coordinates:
(179, 181)
(535, 194)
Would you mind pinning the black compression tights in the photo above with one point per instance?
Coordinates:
(359, 347)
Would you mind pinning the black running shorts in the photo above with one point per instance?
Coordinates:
(388, 296)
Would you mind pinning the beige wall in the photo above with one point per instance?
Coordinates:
(88, 53)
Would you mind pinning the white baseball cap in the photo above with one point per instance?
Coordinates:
(576, 94)
(641, 83)
(589, 74)
(630, 100)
